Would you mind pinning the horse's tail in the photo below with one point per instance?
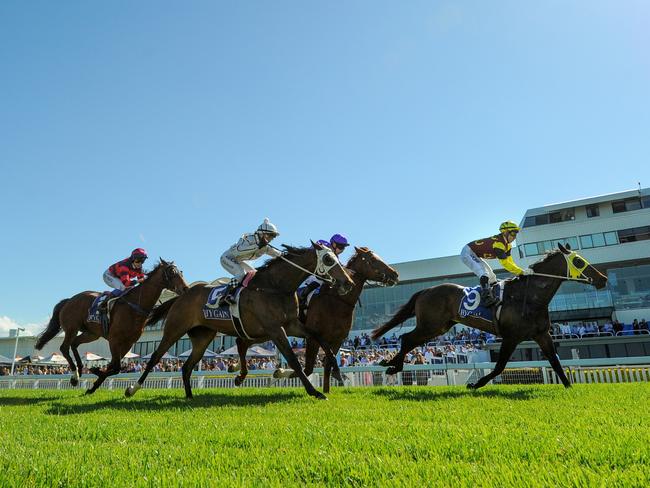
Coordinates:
(160, 312)
(406, 312)
(52, 328)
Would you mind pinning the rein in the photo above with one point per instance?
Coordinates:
(325, 277)
(565, 278)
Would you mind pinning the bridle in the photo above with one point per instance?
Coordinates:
(573, 272)
(322, 269)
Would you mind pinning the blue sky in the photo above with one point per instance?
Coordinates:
(412, 127)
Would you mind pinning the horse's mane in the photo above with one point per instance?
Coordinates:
(356, 256)
(289, 251)
(546, 256)
(156, 267)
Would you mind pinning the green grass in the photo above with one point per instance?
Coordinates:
(590, 435)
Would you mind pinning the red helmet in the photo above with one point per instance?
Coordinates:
(139, 253)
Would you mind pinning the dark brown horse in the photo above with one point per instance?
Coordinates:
(128, 318)
(330, 314)
(524, 314)
(268, 307)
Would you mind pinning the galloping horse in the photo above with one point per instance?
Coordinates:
(524, 314)
(268, 306)
(127, 322)
(330, 314)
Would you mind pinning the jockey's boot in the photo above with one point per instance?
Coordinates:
(302, 299)
(487, 298)
(228, 296)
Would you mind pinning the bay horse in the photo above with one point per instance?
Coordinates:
(331, 314)
(127, 320)
(268, 306)
(524, 313)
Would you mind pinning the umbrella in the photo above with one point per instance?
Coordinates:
(165, 356)
(54, 358)
(253, 352)
(29, 359)
(91, 356)
(131, 355)
(207, 354)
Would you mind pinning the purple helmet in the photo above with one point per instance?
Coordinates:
(340, 240)
(323, 242)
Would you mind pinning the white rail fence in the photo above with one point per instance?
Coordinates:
(614, 370)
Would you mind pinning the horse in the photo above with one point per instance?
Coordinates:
(523, 316)
(330, 314)
(127, 320)
(268, 307)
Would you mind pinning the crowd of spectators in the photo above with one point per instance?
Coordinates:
(593, 329)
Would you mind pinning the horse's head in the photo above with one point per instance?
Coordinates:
(172, 277)
(368, 265)
(329, 268)
(567, 263)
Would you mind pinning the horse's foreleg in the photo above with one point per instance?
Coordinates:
(507, 348)
(545, 343)
(409, 341)
(242, 349)
(336, 372)
(281, 341)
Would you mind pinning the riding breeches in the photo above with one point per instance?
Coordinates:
(113, 281)
(478, 266)
(237, 269)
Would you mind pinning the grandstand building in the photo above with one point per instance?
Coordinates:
(611, 231)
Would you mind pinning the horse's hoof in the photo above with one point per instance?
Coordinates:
(391, 370)
(320, 396)
(238, 381)
(189, 397)
(471, 386)
(89, 391)
(568, 385)
(74, 381)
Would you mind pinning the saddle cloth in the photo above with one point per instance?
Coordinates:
(94, 315)
(471, 306)
(211, 310)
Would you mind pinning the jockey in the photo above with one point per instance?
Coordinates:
(496, 247)
(337, 243)
(247, 248)
(126, 273)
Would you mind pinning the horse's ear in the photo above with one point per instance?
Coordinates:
(162, 261)
(361, 250)
(315, 245)
(563, 249)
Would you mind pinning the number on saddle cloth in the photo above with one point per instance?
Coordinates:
(471, 306)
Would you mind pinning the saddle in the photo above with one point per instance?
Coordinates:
(100, 310)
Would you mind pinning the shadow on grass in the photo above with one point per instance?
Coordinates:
(433, 394)
(166, 402)
(9, 401)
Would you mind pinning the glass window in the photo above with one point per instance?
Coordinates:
(531, 249)
(618, 206)
(598, 239)
(573, 242)
(645, 202)
(593, 210)
(611, 238)
(541, 219)
(555, 217)
(545, 246)
(529, 221)
(586, 242)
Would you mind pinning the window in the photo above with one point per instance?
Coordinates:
(531, 249)
(541, 219)
(598, 239)
(592, 210)
(586, 242)
(630, 204)
(633, 235)
(611, 238)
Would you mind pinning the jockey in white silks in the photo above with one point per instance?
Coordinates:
(248, 248)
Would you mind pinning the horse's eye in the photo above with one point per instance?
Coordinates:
(328, 260)
(578, 263)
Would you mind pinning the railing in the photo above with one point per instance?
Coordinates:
(609, 370)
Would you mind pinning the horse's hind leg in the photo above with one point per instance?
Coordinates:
(242, 348)
(410, 341)
(65, 350)
(113, 368)
(507, 348)
(545, 342)
(201, 338)
(82, 338)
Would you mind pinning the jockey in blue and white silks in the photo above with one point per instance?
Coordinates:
(248, 248)
(337, 243)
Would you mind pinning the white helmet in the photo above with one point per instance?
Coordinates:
(268, 228)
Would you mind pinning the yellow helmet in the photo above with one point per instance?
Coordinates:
(509, 226)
